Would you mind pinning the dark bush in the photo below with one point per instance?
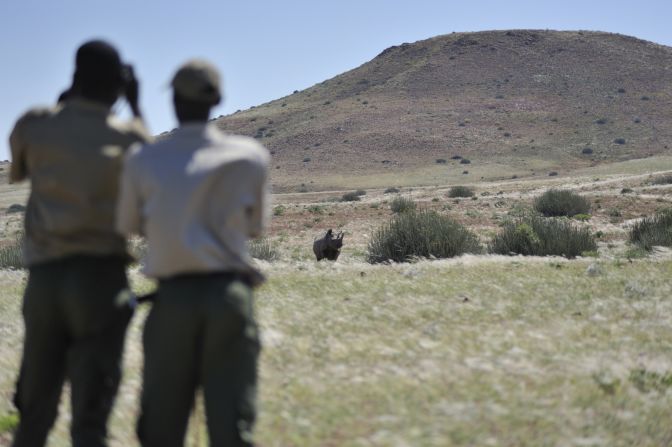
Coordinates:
(627, 191)
(350, 197)
(465, 161)
(402, 205)
(552, 174)
(653, 230)
(392, 190)
(360, 192)
(619, 141)
(601, 121)
(586, 151)
(424, 234)
(539, 236)
(560, 202)
(456, 157)
(11, 255)
(441, 161)
(460, 191)
(664, 180)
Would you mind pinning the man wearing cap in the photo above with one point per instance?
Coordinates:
(74, 325)
(198, 196)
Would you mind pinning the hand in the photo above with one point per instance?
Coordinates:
(132, 91)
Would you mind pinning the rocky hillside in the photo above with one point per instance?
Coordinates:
(514, 103)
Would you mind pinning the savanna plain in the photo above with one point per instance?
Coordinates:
(475, 350)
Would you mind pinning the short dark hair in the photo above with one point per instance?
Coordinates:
(98, 64)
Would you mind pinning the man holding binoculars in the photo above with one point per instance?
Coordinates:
(75, 325)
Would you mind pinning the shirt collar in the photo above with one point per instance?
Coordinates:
(88, 105)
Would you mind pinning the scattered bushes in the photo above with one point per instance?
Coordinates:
(538, 236)
(460, 191)
(402, 205)
(561, 202)
(263, 249)
(423, 234)
(652, 231)
(350, 197)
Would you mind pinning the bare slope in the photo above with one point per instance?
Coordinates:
(513, 102)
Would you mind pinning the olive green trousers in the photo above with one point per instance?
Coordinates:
(74, 330)
(200, 333)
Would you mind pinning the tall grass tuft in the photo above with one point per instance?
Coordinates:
(538, 236)
(653, 230)
(561, 202)
(263, 249)
(421, 234)
(11, 255)
(402, 205)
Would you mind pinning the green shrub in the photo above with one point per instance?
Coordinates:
(279, 210)
(561, 202)
(263, 249)
(316, 209)
(350, 197)
(9, 422)
(402, 205)
(11, 255)
(652, 231)
(460, 191)
(664, 180)
(538, 236)
(423, 234)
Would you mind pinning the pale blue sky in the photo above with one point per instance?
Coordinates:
(265, 49)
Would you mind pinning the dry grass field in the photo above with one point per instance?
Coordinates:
(479, 350)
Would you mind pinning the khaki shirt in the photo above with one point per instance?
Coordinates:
(197, 196)
(73, 154)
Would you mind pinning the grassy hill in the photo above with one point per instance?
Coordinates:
(515, 103)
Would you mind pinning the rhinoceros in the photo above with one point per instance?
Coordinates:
(328, 246)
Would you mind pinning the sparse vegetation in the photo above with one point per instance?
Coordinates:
(561, 202)
(539, 236)
(424, 234)
(279, 210)
(652, 231)
(460, 191)
(402, 204)
(391, 190)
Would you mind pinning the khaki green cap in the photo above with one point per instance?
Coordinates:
(198, 80)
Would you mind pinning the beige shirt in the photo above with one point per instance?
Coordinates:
(73, 154)
(197, 196)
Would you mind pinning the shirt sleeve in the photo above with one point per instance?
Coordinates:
(129, 202)
(18, 170)
(259, 212)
